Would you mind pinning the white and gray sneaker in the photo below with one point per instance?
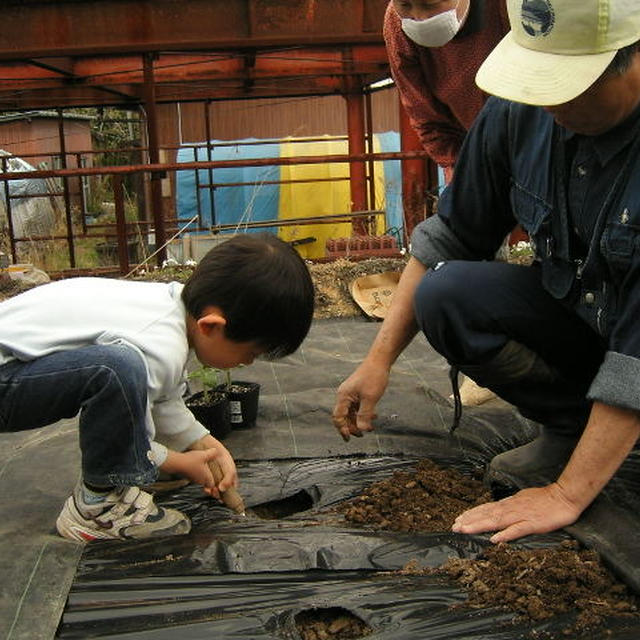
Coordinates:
(125, 513)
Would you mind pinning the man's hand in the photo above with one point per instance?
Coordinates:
(606, 441)
(536, 510)
(356, 400)
(360, 392)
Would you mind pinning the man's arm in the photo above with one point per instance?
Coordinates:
(481, 193)
(609, 436)
(359, 394)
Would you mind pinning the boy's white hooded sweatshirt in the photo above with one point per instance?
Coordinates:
(149, 317)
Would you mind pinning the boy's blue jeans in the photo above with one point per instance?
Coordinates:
(107, 385)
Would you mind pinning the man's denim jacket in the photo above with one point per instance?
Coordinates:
(511, 170)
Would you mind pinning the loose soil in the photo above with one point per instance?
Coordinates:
(333, 623)
(533, 584)
(206, 399)
(539, 584)
(428, 499)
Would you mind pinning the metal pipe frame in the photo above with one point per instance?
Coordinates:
(359, 218)
(216, 164)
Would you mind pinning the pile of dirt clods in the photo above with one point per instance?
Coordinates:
(535, 584)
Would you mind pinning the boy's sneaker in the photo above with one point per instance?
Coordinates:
(125, 513)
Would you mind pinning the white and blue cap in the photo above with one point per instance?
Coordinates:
(557, 49)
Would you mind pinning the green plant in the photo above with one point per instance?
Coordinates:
(208, 377)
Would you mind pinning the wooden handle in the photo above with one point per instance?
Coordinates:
(230, 497)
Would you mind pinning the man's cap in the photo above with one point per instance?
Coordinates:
(557, 49)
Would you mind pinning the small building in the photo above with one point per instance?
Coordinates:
(34, 136)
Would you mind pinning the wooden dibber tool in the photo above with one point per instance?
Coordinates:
(230, 497)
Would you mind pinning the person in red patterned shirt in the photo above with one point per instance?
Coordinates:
(435, 48)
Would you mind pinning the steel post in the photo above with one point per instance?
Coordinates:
(357, 170)
(414, 177)
(65, 188)
(154, 158)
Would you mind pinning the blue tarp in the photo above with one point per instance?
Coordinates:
(260, 201)
(231, 204)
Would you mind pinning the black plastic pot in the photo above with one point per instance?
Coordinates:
(243, 401)
(214, 414)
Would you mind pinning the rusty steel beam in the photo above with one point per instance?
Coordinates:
(64, 98)
(72, 28)
(67, 53)
(119, 80)
(121, 225)
(60, 66)
(121, 70)
(9, 214)
(164, 95)
(368, 108)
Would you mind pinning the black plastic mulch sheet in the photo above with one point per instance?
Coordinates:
(235, 577)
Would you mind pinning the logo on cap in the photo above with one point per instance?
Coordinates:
(538, 17)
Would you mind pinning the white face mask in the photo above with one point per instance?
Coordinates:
(435, 31)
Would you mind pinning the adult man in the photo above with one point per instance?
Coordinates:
(435, 48)
(559, 339)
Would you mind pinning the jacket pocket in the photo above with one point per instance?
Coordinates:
(534, 215)
(618, 245)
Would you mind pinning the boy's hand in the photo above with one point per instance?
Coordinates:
(226, 466)
(193, 465)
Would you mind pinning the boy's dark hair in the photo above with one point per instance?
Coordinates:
(262, 286)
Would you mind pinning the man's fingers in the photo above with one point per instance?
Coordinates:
(341, 411)
(353, 425)
(533, 510)
(341, 423)
(364, 418)
(486, 517)
(512, 532)
(491, 516)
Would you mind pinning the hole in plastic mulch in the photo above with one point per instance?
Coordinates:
(330, 623)
(278, 509)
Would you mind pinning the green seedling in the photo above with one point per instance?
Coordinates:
(208, 377)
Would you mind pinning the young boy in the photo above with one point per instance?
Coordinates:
(116, 351)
